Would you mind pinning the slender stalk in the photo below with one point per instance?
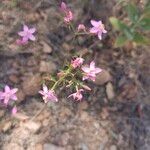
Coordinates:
(53, 87)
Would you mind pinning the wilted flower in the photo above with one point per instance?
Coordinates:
(48, 95)
(26, 34)
(81, 27)
(77, 62)
(68, 13)
(78, 95)
(91, 71)
(8, 94)
(63, 7)
(98, 28)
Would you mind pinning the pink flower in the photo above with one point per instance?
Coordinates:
(68, 13)
(77, 62)
(63, 7)
(91, 71)
(1, 95)
(81, 27)
(48, 95)
(98, 28)
(26, 34)
(78, 95)
(14, 110)
(69, 17)
(8, 94)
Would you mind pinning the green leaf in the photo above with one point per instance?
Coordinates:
(120, 26)
(140, 39)
(145, 23)
(133, 12)
(120, 41)
(117, 24)
(128, 33)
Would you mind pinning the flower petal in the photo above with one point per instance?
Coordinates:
(104, 31)
(100, 35)
(45, 88)
(6, 100)
(25, 28)
(32, 37)
(14, 97)
(14, 110)
(95, 23)
(7, 88)
(41, 92)
(85, 69)
(92, 65)
(13, 91)
(94, 30)
(22, 33)
(32, 30)
(98, 70)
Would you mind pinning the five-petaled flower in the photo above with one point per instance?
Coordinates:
(98, 28)
(77, 62)
(48, 95)
(26, 34)
(8, 94)
(68, 13)
(90, 72)
(77, 95)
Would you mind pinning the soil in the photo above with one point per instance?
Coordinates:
(114, 116)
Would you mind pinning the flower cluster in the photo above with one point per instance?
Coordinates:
(70, 75)
(75, 74)
(97, 29)
(68, 15)
(9, 95)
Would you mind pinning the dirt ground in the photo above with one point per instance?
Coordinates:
(114, 116)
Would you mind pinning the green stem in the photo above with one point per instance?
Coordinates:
(62, 78)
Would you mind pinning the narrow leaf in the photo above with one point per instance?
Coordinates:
(120, 41)
(133, 12)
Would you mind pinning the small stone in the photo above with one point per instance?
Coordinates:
(2, 112)
(38, 147)
(20, 96)
(46, 47)
(47, 67)
(45, 122)
(31, 85)
(83, 105)
(63, 140)
(32, 17)
(7, 126)
(84, 116)
(83, 146)
(110, 91)
(66, 47)
(14, 79)
(40, 117)
(52, 147)
(113, 147)
(103, 77)
(14, 146)
(32, 126)
(21, 117)
(104, 113)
